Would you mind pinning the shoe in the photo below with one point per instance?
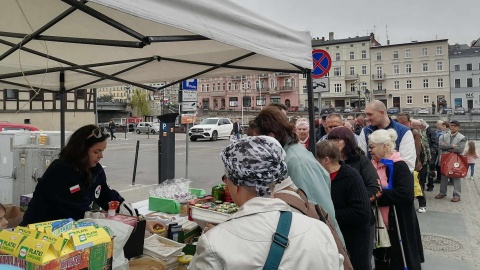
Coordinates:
(430, 189)
(440, 196)
(471, 177)
(455, 200)
(422, 209)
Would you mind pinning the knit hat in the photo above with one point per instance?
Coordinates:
(255, 161)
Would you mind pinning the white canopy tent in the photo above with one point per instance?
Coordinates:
(64, 45)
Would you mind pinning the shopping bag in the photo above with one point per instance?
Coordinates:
(454, 165)
(233, 138)
(417, 189)
(382, 239)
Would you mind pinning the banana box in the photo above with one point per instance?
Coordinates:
(26, 231)
(62, 246)
(68, 235)
(10, 241)
(41, 226)
(90, 238)
(59, 227)
(36, 251)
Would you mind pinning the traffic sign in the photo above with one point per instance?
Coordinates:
(189, 96)
(189, 106)
(188, 118)
(322, 62)
(321, 85)
(190, 84)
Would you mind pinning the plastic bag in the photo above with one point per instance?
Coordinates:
(175, 189)
(417, 189)
(233, 138)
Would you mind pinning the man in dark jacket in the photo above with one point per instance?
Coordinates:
(237, 129)
(433, 143)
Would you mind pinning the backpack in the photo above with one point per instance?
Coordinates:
(317, 212)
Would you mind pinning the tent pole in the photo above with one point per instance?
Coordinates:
(62, 109)
(311, 119)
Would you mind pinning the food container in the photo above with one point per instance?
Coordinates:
(161, 247)
(203, 216)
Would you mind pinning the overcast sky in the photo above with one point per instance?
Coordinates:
(407, 20)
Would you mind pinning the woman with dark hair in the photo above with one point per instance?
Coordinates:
(75, 181)
(303, 169)
(352, 207)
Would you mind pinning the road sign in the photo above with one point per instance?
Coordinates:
(321, 85)
(189, 96)
(322, 62)
(188, 118)
(190, 84)
(189, 106)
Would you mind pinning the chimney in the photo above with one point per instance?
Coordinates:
(388, 41)
(323, 38)
(330, 36)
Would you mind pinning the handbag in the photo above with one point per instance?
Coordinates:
(382, 239)
(279, 241)
(454, 165)
(417, 189)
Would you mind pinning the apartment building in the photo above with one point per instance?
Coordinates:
(411, 75)
(465, 76)
(350, 73)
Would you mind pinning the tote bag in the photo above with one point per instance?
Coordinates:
(454, 165)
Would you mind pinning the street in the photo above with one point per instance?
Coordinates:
(205, 167)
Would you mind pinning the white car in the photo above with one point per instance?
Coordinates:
(211, 128)
(146, 127)
(423, 111)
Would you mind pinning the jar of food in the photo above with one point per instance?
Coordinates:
(218, 192)
(183, 209)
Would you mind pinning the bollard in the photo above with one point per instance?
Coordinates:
(135, 163)
(126, 129)
(148, 132)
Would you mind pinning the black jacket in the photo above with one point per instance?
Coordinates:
(402, 197)
(368, 173)
(433, 143)
(236, 128)
(55, 196)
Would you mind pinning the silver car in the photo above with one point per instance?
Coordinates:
(147, 127)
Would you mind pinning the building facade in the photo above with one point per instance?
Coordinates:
(465, 76)
(350, 73)
(411, 75)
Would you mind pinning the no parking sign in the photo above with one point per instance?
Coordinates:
(322, 62)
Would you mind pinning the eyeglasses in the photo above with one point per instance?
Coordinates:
(224, 178)
(371, 146)
(97, 133)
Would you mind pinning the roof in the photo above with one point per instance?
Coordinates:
(317, 43)
(475, 51)
(409, 43)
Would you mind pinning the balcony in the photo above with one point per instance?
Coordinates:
(236, 78)
(351, 77)
(264, 75)
(379, 77)
(286, 89)
(218, 93)
(379, 91)
(263, 90)
(282, 74)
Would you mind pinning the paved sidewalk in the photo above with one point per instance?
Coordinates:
(451, 231)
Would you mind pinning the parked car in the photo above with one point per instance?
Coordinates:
(326, 111)
(409, 110)
(146, 127)
(423, 111)
(211, 128)
(339, 109)
(475, 111)
(447, 111)
(348, 110)
(393, 110)
(459, 110)
(4, 126)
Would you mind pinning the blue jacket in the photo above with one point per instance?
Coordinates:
(61, 193)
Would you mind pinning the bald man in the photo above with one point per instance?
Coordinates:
(376, 114)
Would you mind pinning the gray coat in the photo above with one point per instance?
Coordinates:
(444, 145)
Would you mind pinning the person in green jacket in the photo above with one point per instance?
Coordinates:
(304, 170)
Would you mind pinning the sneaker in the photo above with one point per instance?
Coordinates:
(430, 189)
(422, 209)
(471, 177)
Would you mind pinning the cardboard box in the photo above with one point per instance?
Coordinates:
(14, 215)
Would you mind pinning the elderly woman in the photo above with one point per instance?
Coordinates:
(252, 166)
(303, 128)
(352, 207)
(399, 199)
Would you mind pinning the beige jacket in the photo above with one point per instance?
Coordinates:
(243, 242)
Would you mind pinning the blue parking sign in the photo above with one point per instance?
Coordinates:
(190, 84)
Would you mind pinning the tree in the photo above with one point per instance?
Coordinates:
(140, 104)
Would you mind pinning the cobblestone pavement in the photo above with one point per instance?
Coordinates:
(451, 231)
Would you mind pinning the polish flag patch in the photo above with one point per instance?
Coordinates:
(74, 189)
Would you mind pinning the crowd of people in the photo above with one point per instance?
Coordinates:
(362, 174)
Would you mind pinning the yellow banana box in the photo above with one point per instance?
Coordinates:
(41, 225)
(90, 238)
(10, 241)
(62, 246)
(36, 251)
(26, 231)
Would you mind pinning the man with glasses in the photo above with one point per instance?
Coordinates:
(333, 120)
(376, 114)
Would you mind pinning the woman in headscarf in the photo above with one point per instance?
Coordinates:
(303, 131)
(252, 167)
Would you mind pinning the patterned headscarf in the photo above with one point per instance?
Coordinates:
(255, 161)
(302, 122)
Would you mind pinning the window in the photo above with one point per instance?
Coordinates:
(82, 93)
(409, 100)
(425, 67)
(249, 85)
(364, 54)
(426, 99)
(457, 83)
(352, 71)
(364, 86)
(396, 85)
(218, 87)
(364, 70)
(408, 53)
(439, 50)
(338, 88)
(224, 86)
(208, 87)
(363, 44)
(425, 83)
(424, 52)
(229, 86)
(352, 55)
(304, 89)
(352, 87)
(257, 85)
(395, 54)
(351, 45)
(439, 66)
(408, 68)
(203, 88)
(469, 66)
(11, 94)
(379, 72)
(409, 84)
(233, 101)
(213, 86)
(457, 67)
(272, 83)
(469, 82)
(379, 56)
(440, 82)
(337, 56)
(261, 101)
(304, 75)
(396, 69)
(337, 71)
(379, 86)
